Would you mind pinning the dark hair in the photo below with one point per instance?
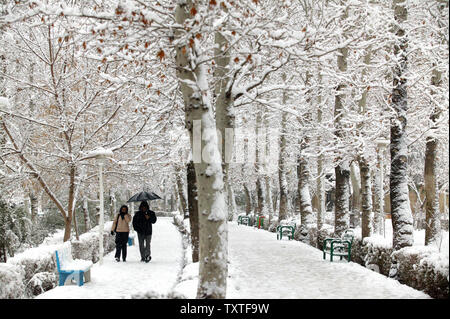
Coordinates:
(120, 210)
(143, 204)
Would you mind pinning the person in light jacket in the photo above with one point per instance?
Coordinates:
(122, 229)
(142, 224)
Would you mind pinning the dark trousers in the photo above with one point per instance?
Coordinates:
(121, 244)
(144, 245)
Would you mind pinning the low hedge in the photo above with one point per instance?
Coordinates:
(34, 271)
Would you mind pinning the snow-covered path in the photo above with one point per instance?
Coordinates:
(263, 267)
(260, 267)
(122, 280)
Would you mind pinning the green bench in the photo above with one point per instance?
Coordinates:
(244, 220)
(341, 247)
(285, 230)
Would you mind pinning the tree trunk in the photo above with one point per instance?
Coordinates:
(433, 216)
(181, 192)
(225, 117)
(259, 167)
(376, 195)
(33, 207)
(282, 214)
(320, 166)
(172, 202)
(248, 200)
(164, 191)
(342, 170)
(341, 212)
(356, 197)
(303, 194)
(304, 197)
(231, 200)
(193, 210)
(87, 222)
(267, 181)
(199, 119)
(402, 221)
(366, 199)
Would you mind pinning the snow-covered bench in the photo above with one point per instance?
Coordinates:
(341, 247)
(243, 220)
(285, 230)
(69, 268)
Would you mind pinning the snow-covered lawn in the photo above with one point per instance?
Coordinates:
(122, 280)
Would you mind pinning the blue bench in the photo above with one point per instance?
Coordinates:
(69, 268)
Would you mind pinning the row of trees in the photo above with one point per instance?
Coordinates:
(169, 86)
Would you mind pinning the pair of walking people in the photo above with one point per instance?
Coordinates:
(142, 224)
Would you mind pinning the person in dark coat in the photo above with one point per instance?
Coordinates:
(122, 229)
(142, 224)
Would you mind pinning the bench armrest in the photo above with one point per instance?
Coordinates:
(327, 240)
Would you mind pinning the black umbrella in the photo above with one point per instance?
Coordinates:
(142, 196)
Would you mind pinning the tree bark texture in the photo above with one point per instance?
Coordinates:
(433, 218)
(213, 228)
(366, 199)
(282, 213)
(193, 210)
(402, 221)
(342, 170)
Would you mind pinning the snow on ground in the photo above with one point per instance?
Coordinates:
(260, 266)
(263, 267)
(116, 280)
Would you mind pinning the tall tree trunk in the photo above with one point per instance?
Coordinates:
(181, 193)
(282, 214)
(402, 220)
(356, 197)
(231, 199)
(259, 166)
(364, 169)
(33, 207)
(225, 115)
(87, 222)
(303, 194)
(172, 202)
(433, 216)
(268, 185)
(164, 191)
(320, 165)
(199, 117)
(193, 210)
(342, 170)
(366, 199)
(248, 200)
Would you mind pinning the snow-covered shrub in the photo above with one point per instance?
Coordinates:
(87, 247)
(272, 226)
(374, 253)
(307, 235)
(11, 281)
(325, 232)
(41, 282)
(36, 260)
(186, 286)
(423, 268)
